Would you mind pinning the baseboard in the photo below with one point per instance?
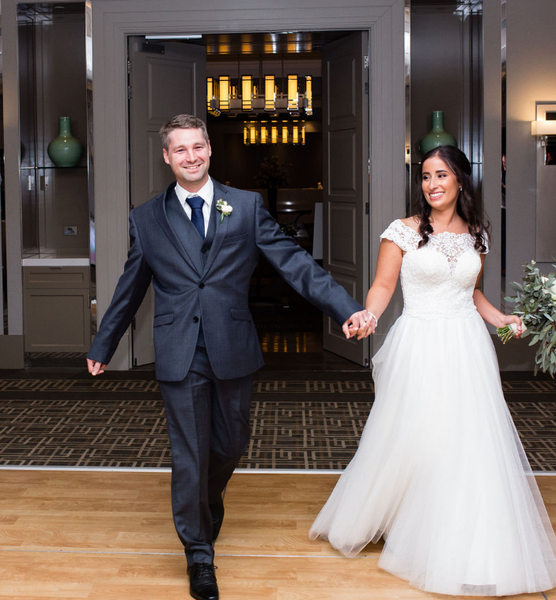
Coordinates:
(12, 352)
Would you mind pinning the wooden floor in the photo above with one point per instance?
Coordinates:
(109, 536)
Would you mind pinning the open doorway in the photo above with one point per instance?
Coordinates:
(319, 164)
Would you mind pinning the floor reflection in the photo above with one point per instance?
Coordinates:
(297, 342)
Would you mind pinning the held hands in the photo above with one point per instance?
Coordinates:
(360, 324)
(95, 368)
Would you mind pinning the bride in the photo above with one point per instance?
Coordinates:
(440, 472)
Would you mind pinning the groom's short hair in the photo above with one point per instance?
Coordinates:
(182, 122)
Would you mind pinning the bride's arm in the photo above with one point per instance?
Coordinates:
(387, 272)
(487, 311)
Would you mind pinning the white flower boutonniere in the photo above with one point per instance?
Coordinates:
(224, 208)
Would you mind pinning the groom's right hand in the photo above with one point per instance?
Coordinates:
(95, 368)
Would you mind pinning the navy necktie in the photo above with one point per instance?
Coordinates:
(196, 203)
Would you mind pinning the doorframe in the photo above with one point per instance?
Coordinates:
(115, 20)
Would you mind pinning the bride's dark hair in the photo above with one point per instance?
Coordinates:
(468, 207)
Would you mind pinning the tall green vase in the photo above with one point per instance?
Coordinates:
(436, 136)
(65, 150)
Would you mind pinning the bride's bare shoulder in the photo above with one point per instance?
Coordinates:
(412, 222)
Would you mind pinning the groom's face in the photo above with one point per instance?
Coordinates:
(188, 155)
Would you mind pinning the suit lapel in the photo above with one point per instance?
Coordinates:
(174, 223)
(221, 225)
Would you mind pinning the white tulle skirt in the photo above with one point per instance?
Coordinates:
(440, 472)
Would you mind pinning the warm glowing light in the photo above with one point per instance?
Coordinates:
(210, 92)
(224, 92)
(303, 135)
(252, 134)
(246, 135)
(269, 92)
(309, 95)
(295, 134)
(284, 134)
(274, 134)
(293, 101)
(543, 127)
(264, 135)
(246, 92)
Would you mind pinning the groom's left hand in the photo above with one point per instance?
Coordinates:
(355, 325)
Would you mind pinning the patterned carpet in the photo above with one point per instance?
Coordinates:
(299, 423)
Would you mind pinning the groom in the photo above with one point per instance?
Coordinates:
(199, 242)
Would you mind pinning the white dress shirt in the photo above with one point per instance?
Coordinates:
(206, 193)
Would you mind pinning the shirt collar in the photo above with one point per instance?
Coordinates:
(206, 192)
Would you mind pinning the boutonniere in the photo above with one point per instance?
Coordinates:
(224, 208)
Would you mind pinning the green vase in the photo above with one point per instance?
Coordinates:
(437, 136)
(65, 150)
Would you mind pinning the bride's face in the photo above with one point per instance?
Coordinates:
(440, 185)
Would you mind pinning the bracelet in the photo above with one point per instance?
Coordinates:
(372, 316)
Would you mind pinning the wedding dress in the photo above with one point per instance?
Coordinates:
(440, 472)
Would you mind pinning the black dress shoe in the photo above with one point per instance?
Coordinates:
(217, 512)
(202, 581)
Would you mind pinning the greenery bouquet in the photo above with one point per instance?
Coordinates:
(535, 302)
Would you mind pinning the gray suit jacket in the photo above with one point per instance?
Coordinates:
(216, 293)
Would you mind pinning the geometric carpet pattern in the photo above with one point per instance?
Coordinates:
(296, 424)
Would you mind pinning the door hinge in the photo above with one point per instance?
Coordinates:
(366, 208)
(131, 206)
(133, 324)
(129, 92)
(366, 62)
(128, 66)
(368, 166)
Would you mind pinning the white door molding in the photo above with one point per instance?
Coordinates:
(114, 20)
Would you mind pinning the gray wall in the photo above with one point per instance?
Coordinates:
(446, 75)
(530, 77)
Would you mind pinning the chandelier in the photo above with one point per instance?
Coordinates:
(274, 132)
(263, 95)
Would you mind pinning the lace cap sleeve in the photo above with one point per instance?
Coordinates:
(403, 236)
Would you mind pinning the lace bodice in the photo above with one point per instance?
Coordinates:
(438, 279)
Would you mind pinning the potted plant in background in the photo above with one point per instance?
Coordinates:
(271, 176)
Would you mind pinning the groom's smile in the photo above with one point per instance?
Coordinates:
(188, 155)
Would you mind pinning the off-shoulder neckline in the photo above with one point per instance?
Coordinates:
(448, 233)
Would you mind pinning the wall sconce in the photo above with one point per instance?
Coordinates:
(295, 135)
(264, 135)
(544, 129)
(269, 92)
(224, 85)
(246, 93)
(293, 100)
(259, 132)
(309, 95)
(210, 93)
